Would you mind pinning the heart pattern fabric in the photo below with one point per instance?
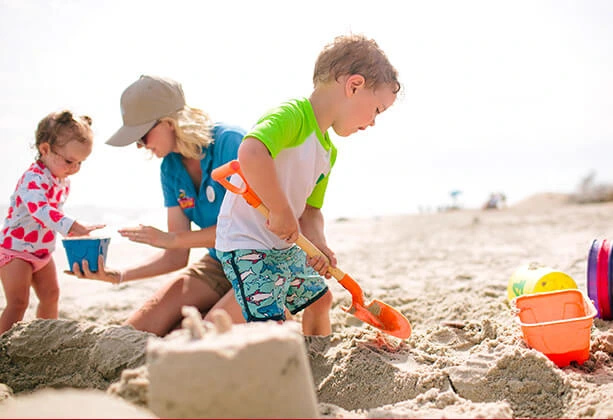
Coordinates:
(35, 212)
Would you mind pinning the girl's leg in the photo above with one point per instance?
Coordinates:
(47, 289)
(316, 316)
(16, 279)
(162, 312)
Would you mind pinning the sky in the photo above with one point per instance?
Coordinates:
(511, 96)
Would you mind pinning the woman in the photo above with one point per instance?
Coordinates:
(156, 117)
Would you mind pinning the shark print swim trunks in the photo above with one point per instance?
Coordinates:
(266, 281)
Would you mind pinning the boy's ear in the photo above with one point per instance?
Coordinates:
(353, 83)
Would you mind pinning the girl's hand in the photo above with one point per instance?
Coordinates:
(77, 229)
(148, 235)
(105, 274)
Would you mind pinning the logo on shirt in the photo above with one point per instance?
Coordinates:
(210, 194)
(186, 202)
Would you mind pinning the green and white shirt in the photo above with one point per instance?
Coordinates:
(303, 157)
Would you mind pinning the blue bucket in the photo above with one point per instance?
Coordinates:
(79, 249)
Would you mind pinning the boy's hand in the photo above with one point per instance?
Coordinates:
(321, 264)
(312, 227)
(77, 229)
(283, 224)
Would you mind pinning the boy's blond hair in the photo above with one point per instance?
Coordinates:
(355, 54)
(194, 131)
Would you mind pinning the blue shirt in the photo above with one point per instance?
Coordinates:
(201, 206)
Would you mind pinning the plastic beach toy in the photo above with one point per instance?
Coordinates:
(592, 286)
(377, 313)
(85, 248)
(558, 324)
(610, 305)
(600, 277)
(536, 278)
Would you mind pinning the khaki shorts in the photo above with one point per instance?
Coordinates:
(210, 271)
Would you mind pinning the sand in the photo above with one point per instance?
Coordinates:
(447, 272)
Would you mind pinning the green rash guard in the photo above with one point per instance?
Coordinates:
(303, 157)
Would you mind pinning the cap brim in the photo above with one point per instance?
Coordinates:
(129, 134)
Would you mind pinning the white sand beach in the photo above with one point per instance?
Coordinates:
(446, 272)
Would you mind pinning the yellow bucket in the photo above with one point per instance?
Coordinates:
(537, 278)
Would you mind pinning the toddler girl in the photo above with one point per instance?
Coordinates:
(27, 238)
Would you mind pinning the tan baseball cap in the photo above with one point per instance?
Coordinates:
(143, 103)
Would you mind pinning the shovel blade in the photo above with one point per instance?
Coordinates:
(382, 316)
(378, 314)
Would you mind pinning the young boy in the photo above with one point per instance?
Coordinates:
(286, 159)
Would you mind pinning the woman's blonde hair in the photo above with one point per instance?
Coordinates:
(355, 54)
(193, 129)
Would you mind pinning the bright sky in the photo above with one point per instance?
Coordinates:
(514, 96)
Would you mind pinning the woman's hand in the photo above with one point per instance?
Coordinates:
(149, 235)
(105, 274)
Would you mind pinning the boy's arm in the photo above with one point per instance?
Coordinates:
(312, 227)
(259, 169)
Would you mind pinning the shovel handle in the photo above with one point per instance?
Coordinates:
(221, 175)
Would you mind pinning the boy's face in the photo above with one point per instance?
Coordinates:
(362, 106)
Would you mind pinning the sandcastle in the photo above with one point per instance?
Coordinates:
(224, 370)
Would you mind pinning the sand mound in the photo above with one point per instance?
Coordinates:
(544, 201)
(62, 353)
(446, 370)
(72, 404)
(446, 272)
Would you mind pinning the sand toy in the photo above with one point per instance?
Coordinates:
(85, 248)
(536, 278)
(600, 277)
(557, 323)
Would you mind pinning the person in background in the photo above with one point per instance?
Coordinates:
(286, 159)
(495, 201)
(35, 217)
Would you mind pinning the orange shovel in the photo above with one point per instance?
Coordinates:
(378, 314)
